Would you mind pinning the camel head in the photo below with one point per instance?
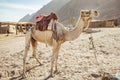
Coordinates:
(87, 15)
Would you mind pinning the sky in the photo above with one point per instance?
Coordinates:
(14, 10)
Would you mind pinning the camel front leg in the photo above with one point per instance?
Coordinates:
(54, 58)
(27, 46)
(24, 59)
(52, 63)
(51, 71)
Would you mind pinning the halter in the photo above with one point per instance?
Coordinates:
(85, 16)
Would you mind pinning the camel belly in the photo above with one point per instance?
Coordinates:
(42, 36)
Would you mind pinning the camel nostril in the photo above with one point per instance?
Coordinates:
(96, 13)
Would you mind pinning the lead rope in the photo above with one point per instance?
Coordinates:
(95, 55)
(93, 47)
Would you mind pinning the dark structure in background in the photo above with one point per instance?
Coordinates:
(19, 27)
(106, 23)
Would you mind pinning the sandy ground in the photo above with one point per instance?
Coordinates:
(76, 61)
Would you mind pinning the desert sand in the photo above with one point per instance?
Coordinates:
(76, 61)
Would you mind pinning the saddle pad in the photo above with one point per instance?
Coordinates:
(38, 18)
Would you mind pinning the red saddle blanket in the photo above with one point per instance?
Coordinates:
(39, 18)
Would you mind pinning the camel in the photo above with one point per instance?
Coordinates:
(35, 36)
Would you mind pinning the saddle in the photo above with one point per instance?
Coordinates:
(42, 21)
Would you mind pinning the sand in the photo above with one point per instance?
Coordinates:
(76, 61)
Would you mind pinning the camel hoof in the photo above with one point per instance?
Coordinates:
(56, 72)
(23, 76)
(31, 57)
(40, 64)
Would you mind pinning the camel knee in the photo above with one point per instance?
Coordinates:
(27, 47)
(34, 43)
(34, 55)
(26, 52)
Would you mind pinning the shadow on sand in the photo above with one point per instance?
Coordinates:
(20, 77)
(89, 31)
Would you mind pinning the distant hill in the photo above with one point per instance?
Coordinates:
(107, 9)
(53, 6)
(66, 9)
(26, 18)
(72, 9)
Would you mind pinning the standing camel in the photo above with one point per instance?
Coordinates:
(35, 36)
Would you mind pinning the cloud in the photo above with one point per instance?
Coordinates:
(21, 6)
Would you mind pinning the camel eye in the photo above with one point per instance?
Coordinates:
(82, 12)
(87, 12)
(95, 11)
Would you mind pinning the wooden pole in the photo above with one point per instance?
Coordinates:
(0, 27)
(8, 29)
(16, 29)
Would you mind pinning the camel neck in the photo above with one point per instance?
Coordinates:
(77, 30)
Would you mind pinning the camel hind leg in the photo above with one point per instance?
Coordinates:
(34, 47)
(27, 46)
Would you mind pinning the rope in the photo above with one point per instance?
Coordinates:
(105, 74)
(95, 51)
(93, 47)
